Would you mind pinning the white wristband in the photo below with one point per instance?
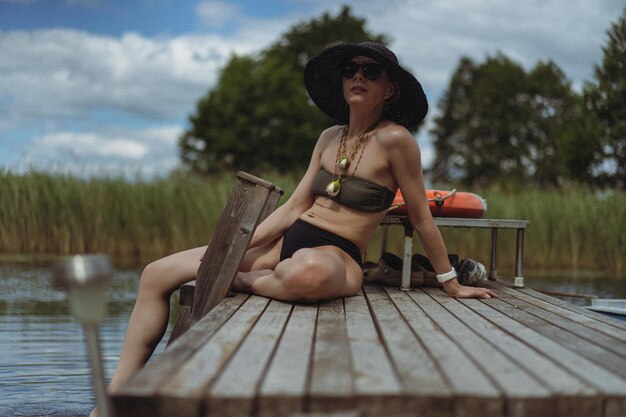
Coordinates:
(447, 276)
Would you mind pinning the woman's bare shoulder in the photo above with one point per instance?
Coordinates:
(331, 131)
(328, 135)
(393, 135)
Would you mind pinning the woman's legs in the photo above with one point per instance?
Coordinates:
(310, 275)
(150, 316)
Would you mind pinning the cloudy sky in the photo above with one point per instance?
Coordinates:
(101, 86)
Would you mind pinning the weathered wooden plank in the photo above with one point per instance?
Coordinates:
(527, 327)
(331, 385)
(184, 393)
(377, 388)
(582, 311)
(423, 385)
(591, 330)
(463, 222)
(554, 325)
(354, 366)
(256, 180)
(208, 267)
(525, 395)
(576, 316)
(234, 391)
(545, 338)
(570, 393)
(182, 324)
(246, 204)
(284, 386)
(482, 223)
(228, 245)
(250, 203)
(473, 392)
(615, 407)
(186, 294)
(272, 202)
(138, 397)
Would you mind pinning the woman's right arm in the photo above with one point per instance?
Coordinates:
(275, 225)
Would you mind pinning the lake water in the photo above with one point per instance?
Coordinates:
(43, 366)
(44, 369)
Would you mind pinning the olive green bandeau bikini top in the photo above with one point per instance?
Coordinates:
(355, 192)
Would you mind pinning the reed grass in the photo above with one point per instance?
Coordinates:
(572, 228)
(45, 213)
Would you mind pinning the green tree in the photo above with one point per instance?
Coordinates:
(478, 126)
(223, 125)
(499, 124)
(606, 99)
(258, 115)
(451, 124)
(581, 147)
(553, 108)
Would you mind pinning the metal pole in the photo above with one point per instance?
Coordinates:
(493, 272)
(93, 349)
(85, 279)
(518, 281)
(408, 253)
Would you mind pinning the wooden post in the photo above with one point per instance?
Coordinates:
(250, 201)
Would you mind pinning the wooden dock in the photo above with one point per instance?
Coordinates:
(388, 352)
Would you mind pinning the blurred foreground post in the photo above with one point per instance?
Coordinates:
(85, 279)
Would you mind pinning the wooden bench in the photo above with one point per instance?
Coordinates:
(494, 224)
(388, 352)
(250, 201)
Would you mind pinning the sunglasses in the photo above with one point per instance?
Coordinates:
(371, 71)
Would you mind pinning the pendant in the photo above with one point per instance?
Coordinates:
(343, 163)
(332, 189)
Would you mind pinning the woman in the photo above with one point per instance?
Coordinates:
(310, 248)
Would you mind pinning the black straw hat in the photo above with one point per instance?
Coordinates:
(323, 82)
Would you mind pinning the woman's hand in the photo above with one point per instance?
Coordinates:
(456, 290)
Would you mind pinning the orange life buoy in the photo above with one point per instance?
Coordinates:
(447, 204)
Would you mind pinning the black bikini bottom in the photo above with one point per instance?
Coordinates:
(304, 235)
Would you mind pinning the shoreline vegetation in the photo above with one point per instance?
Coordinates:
(43, 214)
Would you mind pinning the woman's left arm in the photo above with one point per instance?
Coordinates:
(406, 167)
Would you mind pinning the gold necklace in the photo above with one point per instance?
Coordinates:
(343, 159)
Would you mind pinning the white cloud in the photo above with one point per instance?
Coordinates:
(59, 73)
(430, 36)
(53, 73)
(69, 71)
(89, 144)
(59, 81)
(54, 83)
(217, 13)
(150, 151)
